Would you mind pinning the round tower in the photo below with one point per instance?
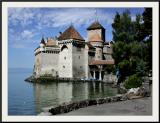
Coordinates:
(97, 42)
(96, 37)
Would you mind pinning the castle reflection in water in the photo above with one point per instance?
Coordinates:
(52, 94)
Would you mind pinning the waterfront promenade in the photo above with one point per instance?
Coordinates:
(142, 106)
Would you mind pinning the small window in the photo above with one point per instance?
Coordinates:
(63, 66)
(80, 66)
(65, 58)
(79, 57)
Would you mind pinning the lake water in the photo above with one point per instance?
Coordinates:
(26, 98)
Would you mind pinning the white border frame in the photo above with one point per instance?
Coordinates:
(155, 97)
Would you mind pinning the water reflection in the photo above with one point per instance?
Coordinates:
(52, 94)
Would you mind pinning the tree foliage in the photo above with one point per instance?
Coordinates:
(132, 49)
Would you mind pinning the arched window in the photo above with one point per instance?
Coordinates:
(63, 47)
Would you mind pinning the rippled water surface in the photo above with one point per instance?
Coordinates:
(28, 99)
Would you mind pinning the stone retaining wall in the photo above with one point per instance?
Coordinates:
(67, 107)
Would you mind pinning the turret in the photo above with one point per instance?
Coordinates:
(42, 44)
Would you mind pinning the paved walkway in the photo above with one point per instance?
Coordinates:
(141, 106)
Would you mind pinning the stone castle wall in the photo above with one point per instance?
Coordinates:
(46, 63)
(107, 52)
(37, 65)
(65, 61)
(78, 58)
(50, 63)
(98, 55)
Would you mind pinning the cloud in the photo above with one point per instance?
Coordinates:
(22, 16)
(56, 17)
(22, 39)
(27, 34)
(27, 23)
(77, 16)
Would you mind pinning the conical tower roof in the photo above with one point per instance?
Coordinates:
(95, 25)
(43, 41)
(70, 33)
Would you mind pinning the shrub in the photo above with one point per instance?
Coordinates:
(133, 81)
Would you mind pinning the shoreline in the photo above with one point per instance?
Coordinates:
(82, 106)
(48, 79)
(134, 107)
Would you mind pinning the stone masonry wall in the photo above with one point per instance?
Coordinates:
(78, 62)
(65, 62)
(37, 64)
(50, 63)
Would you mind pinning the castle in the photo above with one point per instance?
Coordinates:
(70, 56)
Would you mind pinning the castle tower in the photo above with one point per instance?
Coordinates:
(38, 57)
(44, 65)
(96, 37)
(71, 56)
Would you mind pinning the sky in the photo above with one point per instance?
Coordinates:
(27, 26)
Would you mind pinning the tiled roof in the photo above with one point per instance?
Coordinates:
(51, 42)
(95, 37)
(70, 33)
(101, 62)
(95, 25)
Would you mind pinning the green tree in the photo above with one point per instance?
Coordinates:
(123, 27)
(132, 47)
(147, 25)
(147, 35)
